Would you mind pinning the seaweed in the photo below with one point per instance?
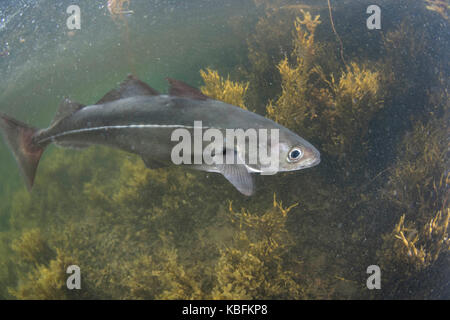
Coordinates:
(160, 276)
(418, 187)
(46, 282)
(32, 248)
(442, 7)
(409, 256)
(337, 110)
(222, 89)
(256, 266)
(268, 42)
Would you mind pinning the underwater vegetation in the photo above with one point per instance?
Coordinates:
(257, 264)
(268, 41)
(418, 187)
(335, 109)
(117, 8)
(172, 234)
(155, 262)
(225, 90)
(440, 6)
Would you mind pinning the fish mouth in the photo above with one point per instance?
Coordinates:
(313, 158)
(311, 162)
(316, 158)
(315, 162)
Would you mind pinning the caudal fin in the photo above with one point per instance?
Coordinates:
(19, 138)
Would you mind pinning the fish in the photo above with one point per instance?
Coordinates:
(138, 119)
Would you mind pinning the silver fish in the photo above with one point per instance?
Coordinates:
(136, 118)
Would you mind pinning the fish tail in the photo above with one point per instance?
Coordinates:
(20, 139)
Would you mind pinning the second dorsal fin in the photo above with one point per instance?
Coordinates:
(65, 109)
(130, 87)
(180, 89)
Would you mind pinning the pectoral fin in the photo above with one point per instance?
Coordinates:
(239, 177)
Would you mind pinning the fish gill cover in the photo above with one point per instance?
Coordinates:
(380, 196)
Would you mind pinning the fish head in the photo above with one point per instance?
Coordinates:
(282, 151)
(295, 153)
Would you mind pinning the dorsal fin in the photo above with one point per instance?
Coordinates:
(130, 87)
(66, 108)
(180, 89)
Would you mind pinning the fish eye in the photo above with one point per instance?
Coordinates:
(295, 154)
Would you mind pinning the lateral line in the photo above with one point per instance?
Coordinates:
(131, 126)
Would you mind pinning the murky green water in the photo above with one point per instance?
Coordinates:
(376, 108)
